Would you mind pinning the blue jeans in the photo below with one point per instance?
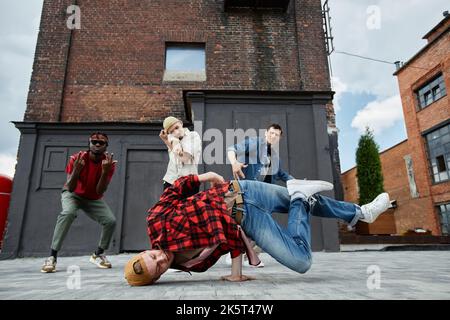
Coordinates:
(290, 246)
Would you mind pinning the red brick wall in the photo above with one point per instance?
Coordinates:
(350, 186)
(438, 31)
(116, 59)
(434, 59)
(410, 212)
(415, 212)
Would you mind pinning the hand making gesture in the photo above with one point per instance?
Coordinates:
(79, 162)
(108, 163)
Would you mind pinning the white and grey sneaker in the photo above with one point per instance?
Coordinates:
(306, 188)
(372, 210)
(100, 261)
(247, 262)
(49, 265)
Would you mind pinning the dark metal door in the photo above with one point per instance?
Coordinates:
(247, 118)
(143, 187)
(298, 146)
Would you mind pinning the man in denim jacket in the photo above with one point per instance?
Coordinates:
(255, 158)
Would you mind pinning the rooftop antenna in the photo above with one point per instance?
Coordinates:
(398, 64)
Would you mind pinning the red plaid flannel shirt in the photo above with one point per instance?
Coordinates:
(182, 221)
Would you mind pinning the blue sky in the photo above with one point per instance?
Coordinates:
(349, 136)
(367, 92)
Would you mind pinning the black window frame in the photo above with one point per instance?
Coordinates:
(438, 146)
(444, 218)
(431, 91)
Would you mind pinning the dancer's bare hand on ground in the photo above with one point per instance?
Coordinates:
(240, 278)
(237, 170)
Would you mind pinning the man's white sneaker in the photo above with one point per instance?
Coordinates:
(372, 210)
(307, 188)
(49, 265)
(260, 265)
(100, 261)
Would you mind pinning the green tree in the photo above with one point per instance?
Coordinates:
(368, 168)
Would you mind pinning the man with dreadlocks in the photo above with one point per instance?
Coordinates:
(88, 176)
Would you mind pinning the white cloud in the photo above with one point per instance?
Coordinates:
(7, 164)
(339, 87)
(402, 25)
(379, 115)
(19, 23)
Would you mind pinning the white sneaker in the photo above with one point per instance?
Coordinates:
(49, 265)
(260, 265)
(372, 210)
(307, 187)
(100, 261)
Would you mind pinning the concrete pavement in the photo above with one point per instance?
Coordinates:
(344, 275)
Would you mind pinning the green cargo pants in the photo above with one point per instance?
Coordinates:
(97, 210)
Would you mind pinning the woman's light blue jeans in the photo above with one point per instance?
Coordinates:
(290, 246)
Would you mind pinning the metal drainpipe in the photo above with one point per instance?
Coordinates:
(298, 48)
(66, 71)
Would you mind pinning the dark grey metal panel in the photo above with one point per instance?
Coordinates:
(303, 150)
(40, 175)
(303, 160)
(45, 147)
(19, 195)
(260, 117)
(325, 172)
(44, 202)
(143, 187)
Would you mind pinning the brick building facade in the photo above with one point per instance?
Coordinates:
(417, 171)
(112, 69)
(264, 62)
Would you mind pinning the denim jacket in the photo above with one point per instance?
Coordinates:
(253, 152)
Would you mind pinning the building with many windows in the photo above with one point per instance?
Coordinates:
(417, 171)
